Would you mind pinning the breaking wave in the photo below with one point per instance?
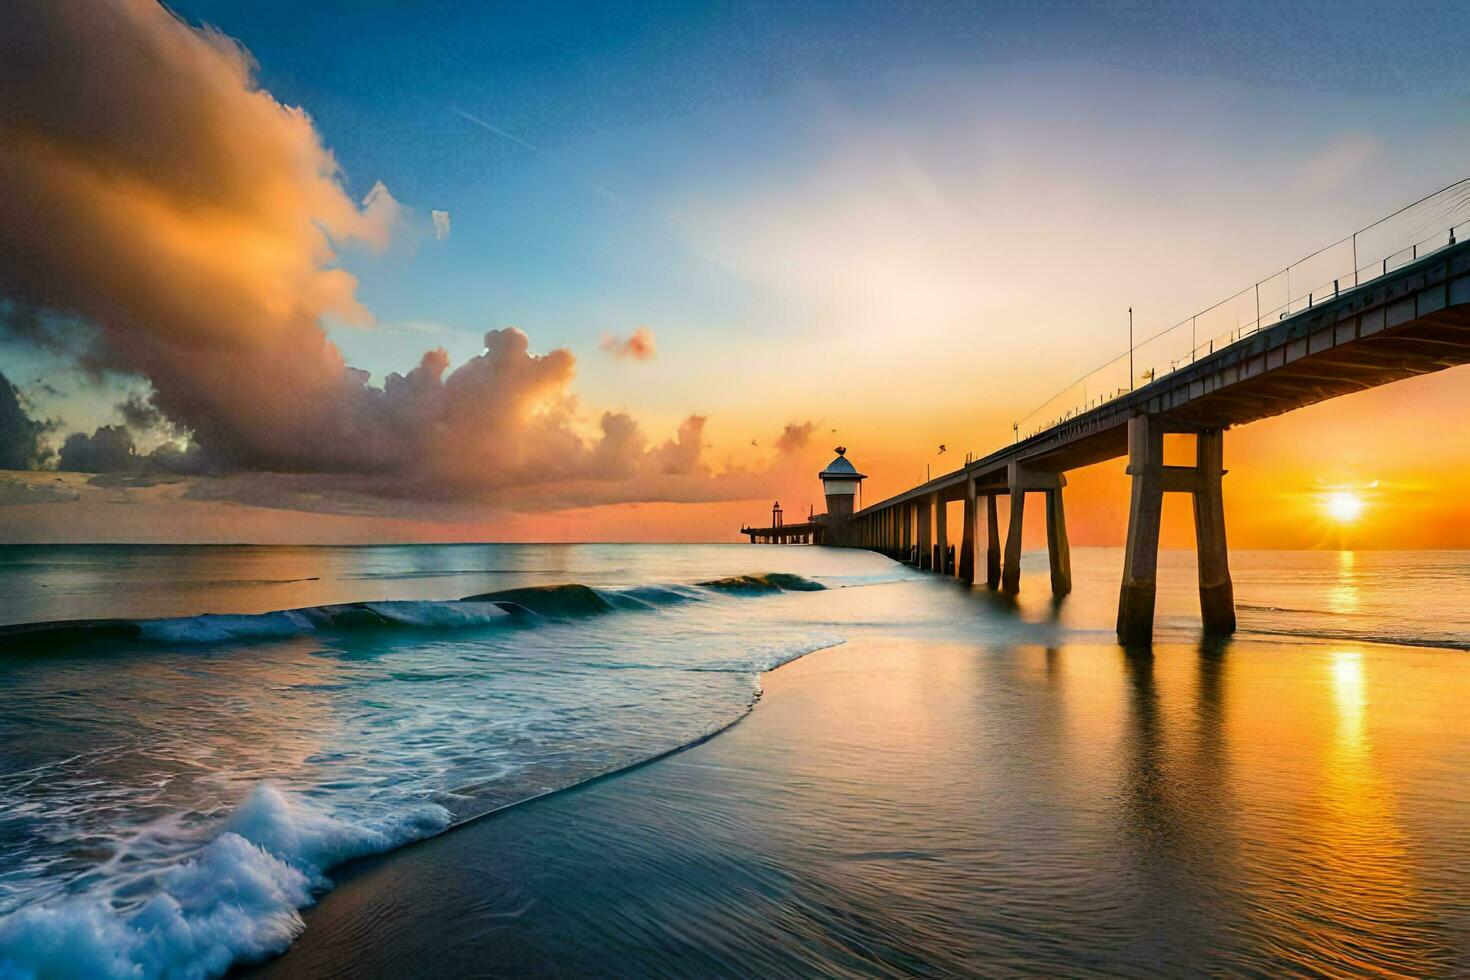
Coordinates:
(238, 898)
(769, 582)
(566, 601)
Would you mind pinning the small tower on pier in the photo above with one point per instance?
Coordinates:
(777, 520)
(840, 482)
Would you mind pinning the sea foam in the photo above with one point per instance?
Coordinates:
(237, 898)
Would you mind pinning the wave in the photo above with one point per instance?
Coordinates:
(558, 601)
(769, 582)
(1289, 609)
(1429, 641)
(238, 898)
(565, 601)
(651, 596)
(451, 572)
(281, 624)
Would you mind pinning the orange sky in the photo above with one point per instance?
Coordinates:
(1403, 437)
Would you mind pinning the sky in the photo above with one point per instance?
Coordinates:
(630, 272)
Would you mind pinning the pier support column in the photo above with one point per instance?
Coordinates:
(925, 535)
(907, 531)
(1022, 479)
(941, 535)
(1141, 556)
(1216, 593)
(992, 542)
(1151, 480)
(1059, 552)
(1010, 579)
(967, 536)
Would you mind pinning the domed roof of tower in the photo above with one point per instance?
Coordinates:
(841, 467)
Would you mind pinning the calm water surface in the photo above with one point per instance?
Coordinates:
(996, 783)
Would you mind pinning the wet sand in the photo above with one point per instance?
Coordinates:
(902, 807)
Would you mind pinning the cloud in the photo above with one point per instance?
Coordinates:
(639, 345)
(110, 449)
(795, 436)
(21, 447)
(441, 224)
(180, 225)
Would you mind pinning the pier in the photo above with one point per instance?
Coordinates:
(807, 532)
(1404, 315)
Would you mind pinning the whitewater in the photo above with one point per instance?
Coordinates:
(232, 759)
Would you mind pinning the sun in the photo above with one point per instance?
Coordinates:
(1343, 506)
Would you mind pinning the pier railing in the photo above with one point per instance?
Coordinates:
(1409, 234)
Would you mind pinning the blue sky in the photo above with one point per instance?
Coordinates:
(661, 105)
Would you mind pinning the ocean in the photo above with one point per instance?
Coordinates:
(176, 786)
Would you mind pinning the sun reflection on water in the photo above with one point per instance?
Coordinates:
(1344, 595)
(1363, 861)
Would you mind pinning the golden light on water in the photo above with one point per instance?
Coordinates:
(1343, 506)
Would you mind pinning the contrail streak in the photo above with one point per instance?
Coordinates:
(541, 153)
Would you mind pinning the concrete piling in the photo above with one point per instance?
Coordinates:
(967, 536)
(1141, 553)
(941, 535)
(925, 557)
(1216, 591)
(992, 543)
(1151, 480)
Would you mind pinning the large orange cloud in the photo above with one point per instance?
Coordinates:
(186, 226)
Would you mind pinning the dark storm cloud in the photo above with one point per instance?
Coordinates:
(21, 447)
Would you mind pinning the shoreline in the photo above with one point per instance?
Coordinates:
(365, 871)
(866, 816)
